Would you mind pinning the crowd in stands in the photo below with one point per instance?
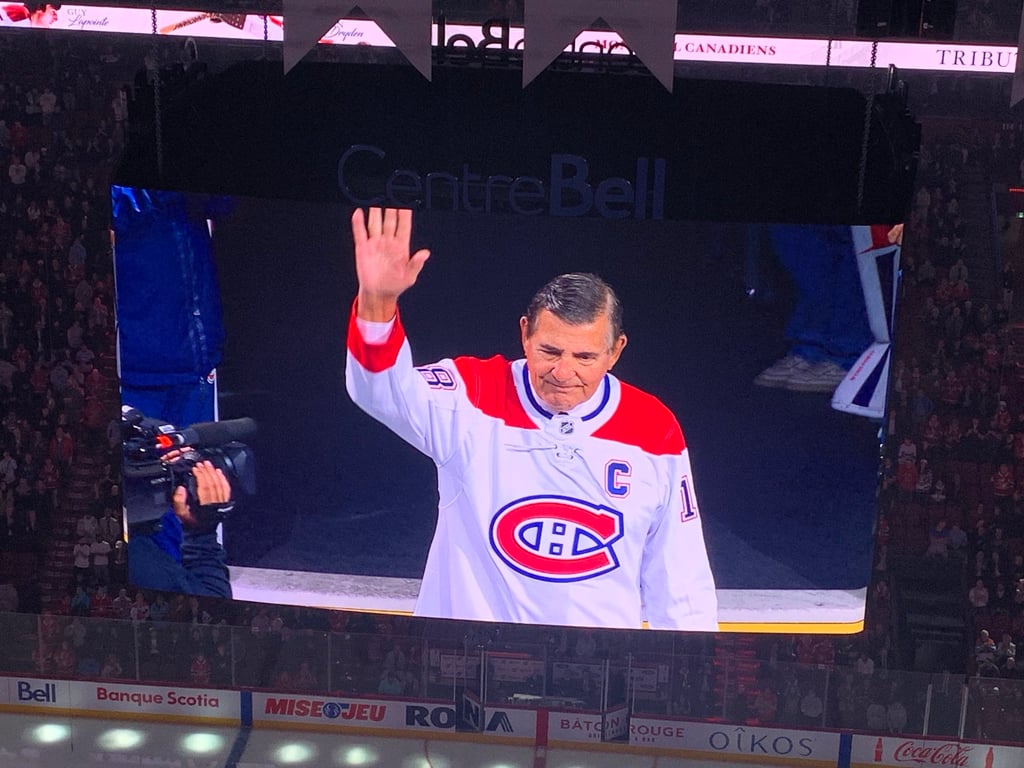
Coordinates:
(953, 471)
(954, 463)
(59, 138)
(952, 485)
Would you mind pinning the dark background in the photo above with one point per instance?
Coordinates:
(735, 151)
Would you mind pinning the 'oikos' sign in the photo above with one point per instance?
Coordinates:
(738, 740)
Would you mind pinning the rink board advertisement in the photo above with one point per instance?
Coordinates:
(113, 699)
(588, 726)
(741, 742)
(920, 751)
(320, 713)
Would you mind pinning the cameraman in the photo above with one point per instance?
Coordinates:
(180, 552)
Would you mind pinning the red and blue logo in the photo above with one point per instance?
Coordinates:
(556, 538)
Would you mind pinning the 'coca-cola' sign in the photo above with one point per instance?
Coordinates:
(946, 753)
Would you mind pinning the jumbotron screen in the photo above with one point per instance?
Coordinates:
(492, 453)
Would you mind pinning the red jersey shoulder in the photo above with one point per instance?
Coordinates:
(644, 421)
(491, 388)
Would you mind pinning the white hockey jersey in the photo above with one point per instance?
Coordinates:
(587, 518)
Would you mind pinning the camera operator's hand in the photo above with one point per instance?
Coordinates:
(212, 489)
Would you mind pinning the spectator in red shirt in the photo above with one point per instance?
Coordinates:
(199, 670)
(62, 450)
(952, 390)
(1003, 486)
(102, 605)
(906, 479)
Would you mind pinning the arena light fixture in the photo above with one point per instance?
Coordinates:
(295, 752)
(202, 743)
(119, 739)
(421, 761)
(358, 754)
(49, 733)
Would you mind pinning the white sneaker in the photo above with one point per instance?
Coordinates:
(816, 377)
(779, 373)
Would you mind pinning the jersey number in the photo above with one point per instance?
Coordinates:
(689, 511)
(437, 377)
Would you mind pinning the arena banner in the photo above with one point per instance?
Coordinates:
(499, 37)
(770, 746)
(273, 710)
(894, 752)
(112, 699)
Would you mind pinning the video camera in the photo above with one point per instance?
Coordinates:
(149, 480)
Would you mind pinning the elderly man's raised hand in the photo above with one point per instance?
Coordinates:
(384, 266)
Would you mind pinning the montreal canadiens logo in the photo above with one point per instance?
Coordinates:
(556, 538)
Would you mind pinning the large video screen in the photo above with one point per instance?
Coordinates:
(710, 461)
(722, 321)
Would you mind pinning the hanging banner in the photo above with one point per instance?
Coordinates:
(406, 23)
(646, 26)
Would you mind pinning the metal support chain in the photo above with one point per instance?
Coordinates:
(831, 36)
(157, 112)
(866, 136)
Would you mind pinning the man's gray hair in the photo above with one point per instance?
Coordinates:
(577, 298)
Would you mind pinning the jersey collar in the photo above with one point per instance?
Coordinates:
(585, 411)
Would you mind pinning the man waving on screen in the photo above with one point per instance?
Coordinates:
(566, 496)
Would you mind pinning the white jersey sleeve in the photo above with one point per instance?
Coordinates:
(419, 405)
(676, 582)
